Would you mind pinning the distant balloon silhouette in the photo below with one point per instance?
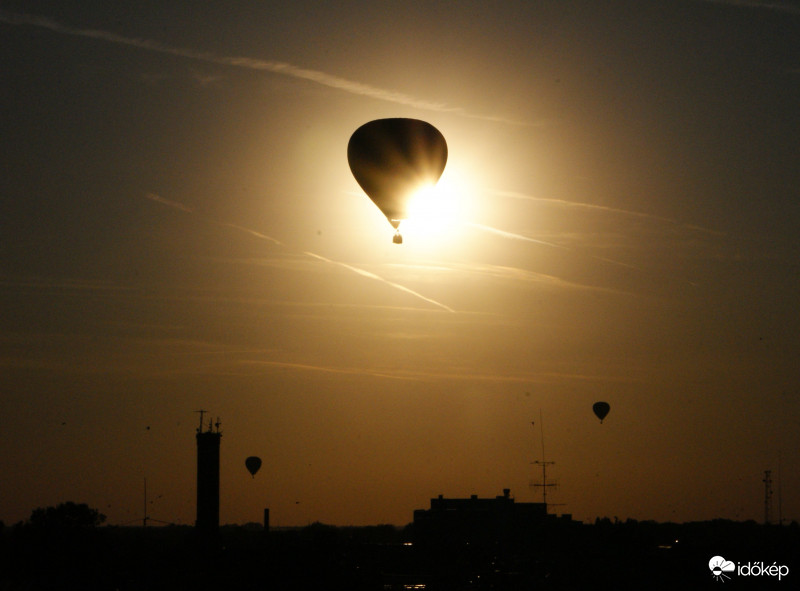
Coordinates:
(253, 463)
(392, 158)
(601, 410)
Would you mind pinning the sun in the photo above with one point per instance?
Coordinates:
(437, 212)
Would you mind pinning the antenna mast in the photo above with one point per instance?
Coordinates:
(780, 492)
(201, 412)
(767, 496)
(144, 518)
(544, 464)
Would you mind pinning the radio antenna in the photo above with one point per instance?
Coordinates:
(544, 464)
(201, 412)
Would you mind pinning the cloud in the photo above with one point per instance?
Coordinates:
(604, 208)
(362, 272)
(517, 274)
(370, 275)
(509, 273)
(756, 4)
(249, 63)
(454, 374)
(64, 284)
(514, 236)
(580, 205)
(252, 232)
(511, 235)
(169, 203)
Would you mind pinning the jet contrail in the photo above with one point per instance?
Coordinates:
(252, 233)
(595, 207)
(578, 204)
(362, 272)
(446, 374)
(514, 236)
(168, 203)
(755, 4)
(329, 369)
(275, 67)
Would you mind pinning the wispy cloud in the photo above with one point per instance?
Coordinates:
(602, 208)
(180, 206)
(252, 232)
(370, 275)
(756, 4)
(518, 274)
(451, 374)
(510, 273)
(511, 235)
(326, 369)
(514, 236)
(579, 205)
(250, 63)
(168, 202)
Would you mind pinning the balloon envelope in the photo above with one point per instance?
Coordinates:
(253, 463)
(392, 158)
(601, 409)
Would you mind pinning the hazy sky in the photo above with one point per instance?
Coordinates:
(180, 230)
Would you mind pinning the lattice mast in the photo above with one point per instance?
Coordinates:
(543, 463)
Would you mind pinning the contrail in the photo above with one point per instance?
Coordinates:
(446, 374)
(252, 233)
(580, 205)
(168, 203)
(362, 272)
(329, 369)
(605, 208)
(274, 67)
(758, 5)
(514, 236)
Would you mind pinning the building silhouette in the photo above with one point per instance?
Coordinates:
(478, 520)
(208, 441)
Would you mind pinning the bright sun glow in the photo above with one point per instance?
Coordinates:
(436, 213)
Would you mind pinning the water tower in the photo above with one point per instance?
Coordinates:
(208, 440)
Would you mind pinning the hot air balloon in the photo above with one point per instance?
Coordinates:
(391, 159)
(253, 463)
(601, 410)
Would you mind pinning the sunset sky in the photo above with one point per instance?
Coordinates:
(180, 230)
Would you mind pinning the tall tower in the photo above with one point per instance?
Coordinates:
(208, 441)
(544, 464)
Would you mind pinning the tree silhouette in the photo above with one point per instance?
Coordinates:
(67, 515)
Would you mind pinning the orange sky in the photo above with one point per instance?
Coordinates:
(180, 230)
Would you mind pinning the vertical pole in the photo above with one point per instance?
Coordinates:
(144, 513)
(767, 495)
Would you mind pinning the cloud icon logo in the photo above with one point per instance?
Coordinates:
(719, 566)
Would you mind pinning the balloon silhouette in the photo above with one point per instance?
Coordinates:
(601, 410)
(392, 158)
(253, 463)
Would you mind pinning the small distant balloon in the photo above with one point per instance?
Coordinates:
(253, 463)
(601, 409)
(392, 158)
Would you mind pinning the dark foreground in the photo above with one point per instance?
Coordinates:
(604, 555)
